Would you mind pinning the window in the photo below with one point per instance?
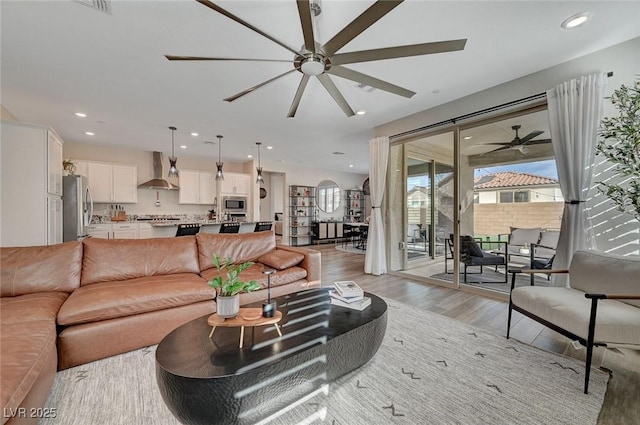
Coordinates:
(506, 197)
(521, 196)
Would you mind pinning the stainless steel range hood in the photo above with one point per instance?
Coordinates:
(158, 183)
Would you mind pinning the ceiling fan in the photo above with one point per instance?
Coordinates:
(520, 144)
(323, 60)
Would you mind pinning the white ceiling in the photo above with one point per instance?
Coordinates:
(60, 57)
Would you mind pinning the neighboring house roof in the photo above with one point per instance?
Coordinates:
(511, 179)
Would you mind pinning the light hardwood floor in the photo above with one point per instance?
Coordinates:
(622, 400)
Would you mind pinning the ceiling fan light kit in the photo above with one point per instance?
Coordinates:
(173, 169)
(320, 61)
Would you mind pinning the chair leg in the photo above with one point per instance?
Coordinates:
(513, 284)
(590, 337)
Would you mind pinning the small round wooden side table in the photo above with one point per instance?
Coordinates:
(246, 317)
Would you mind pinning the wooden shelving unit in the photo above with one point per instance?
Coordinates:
(354, 208)
(302, 214)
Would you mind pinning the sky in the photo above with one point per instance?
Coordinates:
(538, 168)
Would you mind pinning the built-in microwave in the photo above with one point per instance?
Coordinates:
(234, 204)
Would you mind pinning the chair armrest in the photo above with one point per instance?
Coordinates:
(543, 271)
(612, 297)
(537, 245)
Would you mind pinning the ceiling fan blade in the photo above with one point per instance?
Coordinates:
(231, 16)
(359, 77)
(304, 10)
(335, 93)
(206, 58)
(298, 96)
(249, 90)
(358, 25)
(530, 136)
(538, 142)
(399, 52)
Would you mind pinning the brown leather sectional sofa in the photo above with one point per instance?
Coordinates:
(72, 303)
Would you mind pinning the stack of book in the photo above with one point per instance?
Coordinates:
(348, 294)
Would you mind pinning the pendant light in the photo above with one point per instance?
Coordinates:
(173, 170)
(219, 164)
(259, 179)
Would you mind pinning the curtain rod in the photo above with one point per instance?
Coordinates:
(476, 113)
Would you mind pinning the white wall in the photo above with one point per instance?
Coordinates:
(615, 232)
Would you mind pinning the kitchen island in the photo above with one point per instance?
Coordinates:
(168, 229)
(141, 229)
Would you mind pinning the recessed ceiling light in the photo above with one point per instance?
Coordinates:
(249, 156)
(468, 137)
(350, 165)
(183, 146)
(361, 112)
(81, 115)
(195, 134)
(269, 147)
(89, 133)
(575, 20)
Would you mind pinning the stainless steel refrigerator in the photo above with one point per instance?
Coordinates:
(77, 208)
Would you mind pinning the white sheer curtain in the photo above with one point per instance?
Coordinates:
(375, 261)
(575, 111)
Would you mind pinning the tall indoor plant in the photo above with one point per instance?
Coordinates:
(620, 144)
(229, 286)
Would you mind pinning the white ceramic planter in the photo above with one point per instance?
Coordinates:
(228, 307)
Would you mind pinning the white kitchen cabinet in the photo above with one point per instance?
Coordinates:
(145, 231)
(196, 187)
(54, 168)
(31, 181)
(54, 223)
(116, 230)
(124, 231)
(101, 231)
(236, 184)
(113, 182)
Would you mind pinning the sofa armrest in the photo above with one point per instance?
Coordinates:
(311, 262)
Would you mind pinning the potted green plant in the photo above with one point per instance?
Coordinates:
(229, 286)
(620, 144)
(69, 166)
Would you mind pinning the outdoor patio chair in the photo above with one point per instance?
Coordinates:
(472, 255)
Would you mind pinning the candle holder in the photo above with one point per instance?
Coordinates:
(268, 308)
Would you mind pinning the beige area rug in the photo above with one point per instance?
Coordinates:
(429, 370)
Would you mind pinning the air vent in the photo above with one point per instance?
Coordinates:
(337, 153)
(101, 5)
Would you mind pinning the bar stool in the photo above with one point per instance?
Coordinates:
(261, 226)
(187, 229)
(229, 227)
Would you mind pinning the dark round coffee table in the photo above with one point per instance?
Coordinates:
(212, 381)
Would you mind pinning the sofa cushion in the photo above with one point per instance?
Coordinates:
(109, 300)
(30, 307)
(241, 247)
(470, 246)
(27, 352)
(600, 273)
(520, 236)
(280, 277)
(31, 269)
(123, 259)
(549, 238)
(616, 322)
(280, 259)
